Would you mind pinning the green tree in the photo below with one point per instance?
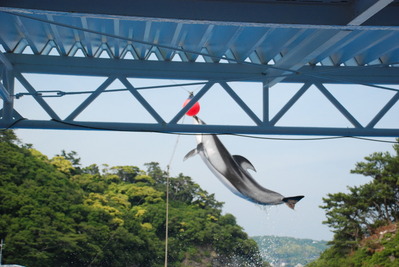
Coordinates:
(356, 215)
(53, 212)
(73, 158)
(159, 176)
(92, 169)
(383, 192)
(8, 136)
(126, 173)
(51, 217)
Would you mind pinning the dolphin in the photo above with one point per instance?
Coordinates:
(232, 171)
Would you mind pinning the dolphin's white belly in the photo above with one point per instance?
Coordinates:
(221, 177)
(212, 158)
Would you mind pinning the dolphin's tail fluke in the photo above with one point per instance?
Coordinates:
(291, 201)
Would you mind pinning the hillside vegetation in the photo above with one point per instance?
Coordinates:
(365, 220)
(54, 212)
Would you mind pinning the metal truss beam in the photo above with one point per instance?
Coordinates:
(366, 9)
(200, 71)
(215, 129)
(7, 113)
(317, 44)
(261, 125)
(266, 43)
(6, 63)
(4, 94)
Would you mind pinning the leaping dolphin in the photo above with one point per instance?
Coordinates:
(232, 171)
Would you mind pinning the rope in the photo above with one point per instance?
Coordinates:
(167, 217)
(167, 198)
(59, 93)
(153, 44)
(102, 249)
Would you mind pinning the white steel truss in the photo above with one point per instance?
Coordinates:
(204, 51)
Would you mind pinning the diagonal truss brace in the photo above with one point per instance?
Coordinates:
(383, 111)
(260, 125)
(339, 106)
(90, 99)
(36, 95)
(141, 99)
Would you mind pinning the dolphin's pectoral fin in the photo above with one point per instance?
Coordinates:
(291, 201)
(244, 163)
(194, 152)
(190, 154)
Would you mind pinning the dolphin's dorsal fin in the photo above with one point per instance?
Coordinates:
(194, 152)
(244, 163)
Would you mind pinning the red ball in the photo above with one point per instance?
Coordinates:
(194, 109)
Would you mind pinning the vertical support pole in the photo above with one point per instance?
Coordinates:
(266, 101)
(8, 106)
(1, 251)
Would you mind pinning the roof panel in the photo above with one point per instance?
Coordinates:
(10, 34)
(387, 43)
(96, 32)
(310, 42)
(391, 58)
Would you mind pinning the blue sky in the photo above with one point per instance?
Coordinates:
(310, 168)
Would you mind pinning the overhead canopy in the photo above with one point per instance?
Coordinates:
(308, 42)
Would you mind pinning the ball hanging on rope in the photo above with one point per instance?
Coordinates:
(194, 109)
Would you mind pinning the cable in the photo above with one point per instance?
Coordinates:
(374, 140)
(350, 82)
(151, 43)
(167, 198)
(289, 139)
(59, 93)
(167, 217)
(12, 125)
(293, 72)
(312, 138)
(231, 134)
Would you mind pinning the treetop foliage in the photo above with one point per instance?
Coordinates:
(356, 215)
(54, 212)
